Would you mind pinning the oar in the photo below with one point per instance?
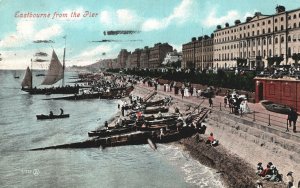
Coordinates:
(152, 145)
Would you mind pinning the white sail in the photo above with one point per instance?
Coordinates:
(55, 71)
(27, 81)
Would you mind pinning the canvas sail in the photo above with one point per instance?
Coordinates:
(27, 81)
(55, 71)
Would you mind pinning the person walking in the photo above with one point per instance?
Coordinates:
(210, 102)
(292, 119)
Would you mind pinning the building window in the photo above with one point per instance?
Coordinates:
(257, 32)
(270, 40)
(275, 28)
(258, 54)
(281, 18)
(252, 33)
(258, 24)
(294, 37)
(264, 53)
(263, 23)
(248, 26)
(252, 25)
(295, 25)
(264, 41)
(289, 52)
(248, 34)
(263, 31)
(289, 38)
(269, 30)
(294, 16)
(270, 53)
(289, 17)
(275, 20)
(281, 27)
(276, 40)
(258, 42)
(269, 21)
(282, 39)
(299, 37)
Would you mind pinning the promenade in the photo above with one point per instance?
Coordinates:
(273, 122)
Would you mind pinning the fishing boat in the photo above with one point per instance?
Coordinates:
(54, 74)
(109, 132)
(156, 110)
(42, 116)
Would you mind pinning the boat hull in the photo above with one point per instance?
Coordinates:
(42, 116)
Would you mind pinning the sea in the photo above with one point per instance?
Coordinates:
(126, 166)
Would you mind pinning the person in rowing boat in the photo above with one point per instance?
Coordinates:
(61, 111)
(106, 124)
(51, 114)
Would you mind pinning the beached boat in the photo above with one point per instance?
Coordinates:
(156, 110)
(278, 108)
(42, 116)
(109, 132)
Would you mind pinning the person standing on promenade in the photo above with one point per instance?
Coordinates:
(292, 119)
(210, 102)
(182, 93)
(225, 101)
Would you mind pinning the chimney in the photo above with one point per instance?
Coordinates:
(226, 24)
(193, 39)
(248, 19)
(219, 27)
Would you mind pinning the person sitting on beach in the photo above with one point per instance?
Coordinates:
(211, 140)
(176, 110)
(61, 111)
(266, 173)
(51, 114)
(290, 179)
(259, 168)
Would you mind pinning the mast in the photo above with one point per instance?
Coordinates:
(63, 79)
(202, 51)
(31, 74)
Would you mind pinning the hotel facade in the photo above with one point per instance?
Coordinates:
(249, 44)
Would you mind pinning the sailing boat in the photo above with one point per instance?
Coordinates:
(15, 75)
(54, 74)
(27, 81)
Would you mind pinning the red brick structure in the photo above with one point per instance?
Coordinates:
(282, 91)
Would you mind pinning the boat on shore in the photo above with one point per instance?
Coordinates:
(42, 116)
(274, 107)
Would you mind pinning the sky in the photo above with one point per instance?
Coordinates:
(152, 21)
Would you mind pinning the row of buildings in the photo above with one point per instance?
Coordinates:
(144, 58)
(250, 44)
